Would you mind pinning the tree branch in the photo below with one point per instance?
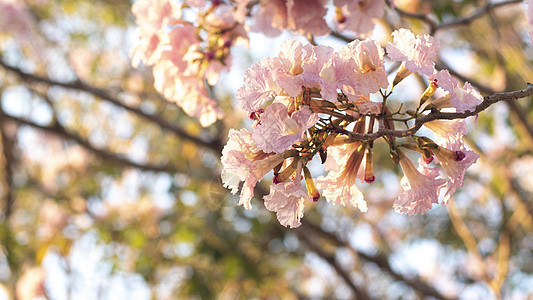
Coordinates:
(379, 260)
(330, 259)
(9, 159)
(58, 129)
(435, 26)
(214, 145)
(437, 115)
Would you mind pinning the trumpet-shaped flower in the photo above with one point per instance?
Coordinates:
(462, 99)
(454, 163)
(370, 75)
(339, 184)
(243, 161)
(448, 133)
(287, 199)
(259, 88)
(416, 51)
(420, 188)
(278, 131)
(286, 69)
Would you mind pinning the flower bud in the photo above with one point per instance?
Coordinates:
(285, 174)
(441, 102)
(428, 92)
(369, 168)
(310, 185)
(402, 73)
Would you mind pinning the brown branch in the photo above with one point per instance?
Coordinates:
(58, 129)
(8, 159)
(520, 113)
(214, 145)
(330, 259)
(381, 261)
(435, 26)
(437, 115)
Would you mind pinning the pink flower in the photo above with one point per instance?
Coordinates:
(466, 98)
(243, 161)
(187, 92)
(301, 16)
(421, 188)
(15, 19)
(307, 17)
(370, 75)
(278, 131)
(358, 15)
(321, 70)
(463, 99)
(416, 51)
(259, 87)
(151, 17)
(339, 185)
(448, 133)
(454, 163)
(288, 66)
(287, 200)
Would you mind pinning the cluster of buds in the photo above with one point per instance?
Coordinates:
(312, 101)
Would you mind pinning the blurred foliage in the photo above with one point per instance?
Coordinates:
(80, 215)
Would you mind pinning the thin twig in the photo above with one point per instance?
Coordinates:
(434, 26)
(58, 129)
(214, 145)
(379, 260)
(438, 115)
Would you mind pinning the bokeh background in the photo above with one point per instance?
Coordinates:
(110, 192)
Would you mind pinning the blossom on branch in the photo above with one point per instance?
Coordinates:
(278, 130)
(421, 188)
(311, 100)
(287, 199)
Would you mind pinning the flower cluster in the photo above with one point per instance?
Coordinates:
(313, 100)
(183, 57)
(307, 17)
(188, 54)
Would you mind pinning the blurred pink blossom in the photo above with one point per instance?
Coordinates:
(31, 284)
(301, 16)
(357, 15)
